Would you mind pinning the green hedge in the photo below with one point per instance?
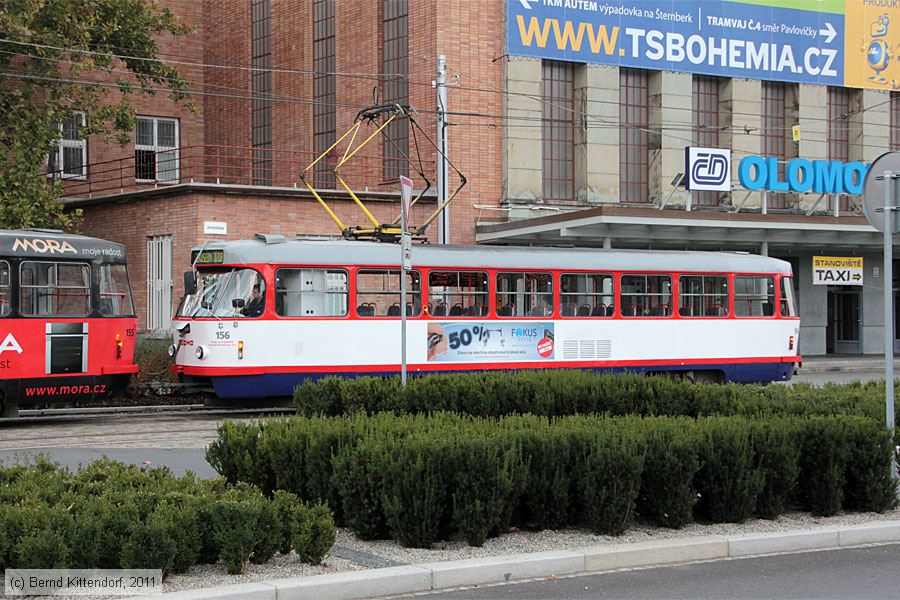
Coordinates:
(109, 515)
(421, 478)
(559, 393)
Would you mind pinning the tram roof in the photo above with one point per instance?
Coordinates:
(352, 252)
(51, 243)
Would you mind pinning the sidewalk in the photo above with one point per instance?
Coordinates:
(418, 578)
(846, 362)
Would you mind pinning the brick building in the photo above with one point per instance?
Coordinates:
(557, 148)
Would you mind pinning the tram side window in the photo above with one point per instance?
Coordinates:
(378, 293)
(115, 293)
(646, 295)
(754, 296)
(52, 288)
(311, 293)
(458, 293)
(586, 295)
(788, 306)
(703, 296)
(524, 294)
(4, 289)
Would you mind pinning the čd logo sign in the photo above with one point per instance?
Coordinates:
(801, 175)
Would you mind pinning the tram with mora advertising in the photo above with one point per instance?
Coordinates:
(263, 315)
(67, 318)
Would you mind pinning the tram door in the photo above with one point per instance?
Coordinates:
(842, 332)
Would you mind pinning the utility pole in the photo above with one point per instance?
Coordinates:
(443, 222)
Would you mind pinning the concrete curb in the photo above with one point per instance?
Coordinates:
(498, 569)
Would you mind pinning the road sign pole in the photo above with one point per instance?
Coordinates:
(405, 265)
(889, 310)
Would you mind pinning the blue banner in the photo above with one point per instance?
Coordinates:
(712, 37)
(490, 341)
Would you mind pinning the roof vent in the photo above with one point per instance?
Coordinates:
(269, 238)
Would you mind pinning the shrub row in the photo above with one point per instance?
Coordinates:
(109, 515)
(570, 392)
(420, 478)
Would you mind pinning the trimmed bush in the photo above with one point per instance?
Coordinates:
(608, 468)
(667, 493)
(484, 486)
(870, 486)
(776, 452)
(315, 533)
(358, 481)
(728, 481)
(109, 515)
(548, 503)
(823, 465)
(416, 474)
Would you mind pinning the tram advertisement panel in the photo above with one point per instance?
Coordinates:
(490, 341)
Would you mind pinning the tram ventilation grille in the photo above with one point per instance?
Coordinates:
(586, 349)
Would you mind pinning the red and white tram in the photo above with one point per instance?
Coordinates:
(68, 322)
(268, 313)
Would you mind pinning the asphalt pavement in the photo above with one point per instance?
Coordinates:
(869, 572)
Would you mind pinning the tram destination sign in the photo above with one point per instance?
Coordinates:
(837, 270)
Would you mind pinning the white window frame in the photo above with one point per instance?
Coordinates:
(156, 149)
(58, 166)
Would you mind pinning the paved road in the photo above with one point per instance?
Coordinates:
(821, 378)
(179, 460)
(869, 572)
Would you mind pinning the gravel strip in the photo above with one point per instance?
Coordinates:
(368, 553)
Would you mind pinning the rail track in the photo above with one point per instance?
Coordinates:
(199, 410)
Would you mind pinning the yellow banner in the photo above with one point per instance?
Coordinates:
(837, 262)
(870, 45)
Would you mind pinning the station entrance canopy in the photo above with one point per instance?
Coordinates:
(829, 42)
(628, 227)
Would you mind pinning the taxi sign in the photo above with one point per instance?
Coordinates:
(837, 270)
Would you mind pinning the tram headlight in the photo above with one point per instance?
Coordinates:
(240, 349)
(172, 350)
(201, 352)
(791, 343)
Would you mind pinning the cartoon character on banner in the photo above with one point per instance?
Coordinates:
(878, 52)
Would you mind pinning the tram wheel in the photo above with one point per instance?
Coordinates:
(708, 377)
(8, 410)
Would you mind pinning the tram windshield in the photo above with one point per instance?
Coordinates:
(231, 293)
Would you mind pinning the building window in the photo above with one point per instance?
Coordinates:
(395, 66)
(156, 149)
(68, 160)
(634, 136)
(324, 81)
(261, 90)
(706, 126)
(895, 121)
(777, 140)
(159, 282)
(839, 124)
(558, 130)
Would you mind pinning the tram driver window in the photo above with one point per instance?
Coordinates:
(458, 293)
(586, 295)
(754, 296)
(378, 293)
(788, 305)
(646, 295)
(5, 304)
(703, 296)
(524, 294)
(52, 288)
(311, 293)
(115, 293)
